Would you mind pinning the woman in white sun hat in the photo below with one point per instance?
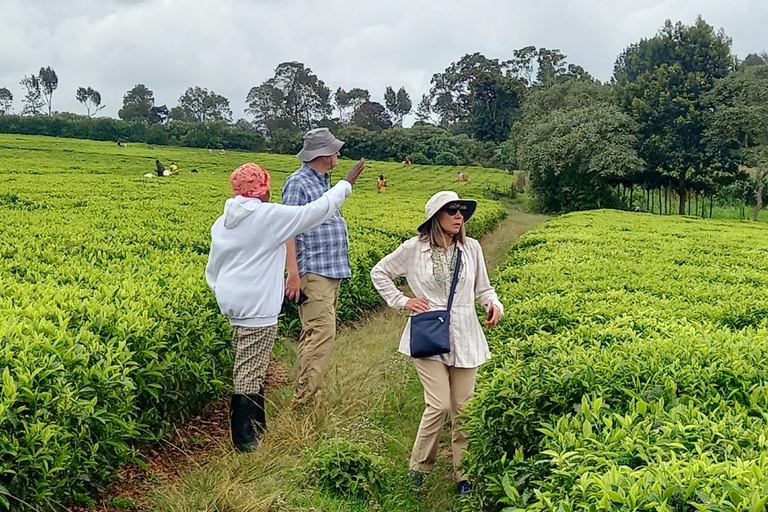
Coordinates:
(428, 262)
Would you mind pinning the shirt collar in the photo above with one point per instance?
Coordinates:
(308, 168)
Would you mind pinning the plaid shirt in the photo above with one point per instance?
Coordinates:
(323, 250)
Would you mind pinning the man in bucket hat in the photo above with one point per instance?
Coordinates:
(317, 261)
(245, 272)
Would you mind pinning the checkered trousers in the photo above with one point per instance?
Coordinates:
(252, 346)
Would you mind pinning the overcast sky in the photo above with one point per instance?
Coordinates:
(228, 46)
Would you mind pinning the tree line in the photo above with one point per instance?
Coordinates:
(681, 120)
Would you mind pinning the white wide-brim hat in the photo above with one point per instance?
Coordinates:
(319, 142)
(439, 200)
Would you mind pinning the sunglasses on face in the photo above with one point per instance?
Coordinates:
(454, 209)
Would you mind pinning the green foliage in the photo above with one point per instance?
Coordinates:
(139, 105)
(200, 105)
(661, 83)
(294, 94)
(348, 469)
(90, 98)
(371, 116)
(740, 122)
(564, 96)
(109, 331)
(347, 102)
(49, 82)
(476, 95)
(446, 158)
(419, 158)
(216, 135)
(33, 98)
(398, 104)
(6, 101)
(629, 370)
(398, 143)
(574, 157)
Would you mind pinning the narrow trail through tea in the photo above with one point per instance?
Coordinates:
(370, 395)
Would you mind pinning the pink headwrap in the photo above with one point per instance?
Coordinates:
(249, 180)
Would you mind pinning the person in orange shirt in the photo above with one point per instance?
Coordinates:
(381, 183)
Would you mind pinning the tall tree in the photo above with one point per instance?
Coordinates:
(546, 65)
(33, 98)
(551, 64)
(493, 101)
(139, 105)
(398, 104)
(6, 101)
(295, 93)
(754, 59)
(49, 82)
(576, 144)
(347, 102)
(371, 116)
(574, 157)
(476, 95)
(523, 64)
(198, 104)
(90, 98)
(740, 121)
(660, 83)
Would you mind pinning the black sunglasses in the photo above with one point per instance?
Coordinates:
(452, 210)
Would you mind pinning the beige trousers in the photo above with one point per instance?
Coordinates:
(446, 388)
(318, 330)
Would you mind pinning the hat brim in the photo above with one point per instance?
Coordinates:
(331, 149)
(471, 205)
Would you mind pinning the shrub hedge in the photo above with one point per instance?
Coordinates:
(108, 329)
(630, 371)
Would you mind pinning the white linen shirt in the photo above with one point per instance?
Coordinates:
(413, 260)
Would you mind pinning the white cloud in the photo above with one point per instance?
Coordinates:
(231, 45)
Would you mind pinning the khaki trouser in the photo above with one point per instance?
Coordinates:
(318, 330)
(446, 388)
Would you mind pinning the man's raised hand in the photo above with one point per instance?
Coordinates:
(355, 171)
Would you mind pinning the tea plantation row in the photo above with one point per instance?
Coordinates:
(108, 329)
(630, 371)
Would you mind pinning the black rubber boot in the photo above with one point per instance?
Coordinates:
(243, 413)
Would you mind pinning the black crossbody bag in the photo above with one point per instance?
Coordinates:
(430, 331)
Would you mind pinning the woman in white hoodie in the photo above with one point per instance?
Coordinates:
(245, 271)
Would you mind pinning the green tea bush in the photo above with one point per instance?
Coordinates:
(348, 469)
(630, 369)
(108, 329)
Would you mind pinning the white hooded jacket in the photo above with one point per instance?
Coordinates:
(247, 258)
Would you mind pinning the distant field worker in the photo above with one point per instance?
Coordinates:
(159, 168)
(463, 177)
(428, 262)
(174, 169)
(245, 272)
(381, 183)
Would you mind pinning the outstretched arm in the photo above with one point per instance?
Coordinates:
(298, 219)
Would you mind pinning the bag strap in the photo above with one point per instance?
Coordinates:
(455, 278)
